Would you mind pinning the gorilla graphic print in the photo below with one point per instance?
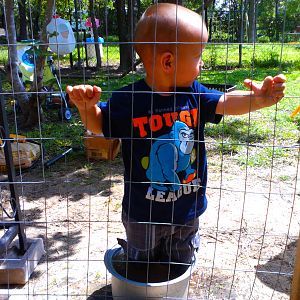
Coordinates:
(170, 157)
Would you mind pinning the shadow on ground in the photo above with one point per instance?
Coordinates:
(104, 293)
(276, 272)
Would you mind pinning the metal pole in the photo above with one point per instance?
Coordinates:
(15, 204)
(77, 31)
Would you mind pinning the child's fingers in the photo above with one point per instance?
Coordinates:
(89, 91)
(248, 83)
(74, 94)
(279, 86)
(251, 85)
(82, 95)
(69, 89)
(97, 92)
(71, 92)
(279, 78)
(82, 92)
(259, 88)
(267, 84)
(92, 92)
(97, 89)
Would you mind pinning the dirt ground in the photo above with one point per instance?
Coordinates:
(248, 233)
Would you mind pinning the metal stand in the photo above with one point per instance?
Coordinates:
(15, 227)
(18, 258)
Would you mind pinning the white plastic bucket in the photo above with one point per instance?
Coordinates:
(126, 289)
(90, 47)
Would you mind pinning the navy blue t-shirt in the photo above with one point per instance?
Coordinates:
(163, 149)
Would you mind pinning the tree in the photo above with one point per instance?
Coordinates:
(241, 32)
(277, 20)
(30, 106)
(13, 70)
(23, 35)
(206, 5)
(210, 21)
(252, 21)
(95, 33)
(126, 22)
(36, 19)
(37, 83)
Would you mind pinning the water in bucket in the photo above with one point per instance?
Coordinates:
(151, 272)
(140, 281)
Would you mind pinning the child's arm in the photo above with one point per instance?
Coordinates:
(86, 97)
(268, 93)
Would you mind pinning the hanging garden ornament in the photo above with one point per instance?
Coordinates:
(61, 36)
(88, 22)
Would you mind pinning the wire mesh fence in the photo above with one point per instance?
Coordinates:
(73, 204)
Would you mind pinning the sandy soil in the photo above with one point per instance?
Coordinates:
(248, 232)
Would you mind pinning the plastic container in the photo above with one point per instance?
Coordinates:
(124, 288)
(90, 47)
(97, 147)
(24, 153)
(26, 60)
(61, 36)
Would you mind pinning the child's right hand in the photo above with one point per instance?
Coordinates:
(84, 96)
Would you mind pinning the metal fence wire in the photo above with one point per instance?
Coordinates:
(61, 197)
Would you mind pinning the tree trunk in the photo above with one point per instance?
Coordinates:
(252, 21)
(95, 33)
(277, 25)
(79, 62)
(37, 84)
(207, 4)
(36, 21)
(2, 18)
(16, 82)
(23, 35)
(241, 33)
(124, 30)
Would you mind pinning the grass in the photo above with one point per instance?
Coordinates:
(280, 56)
(265, 127)
(269, 131)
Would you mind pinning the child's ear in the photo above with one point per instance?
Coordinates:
(167, 61)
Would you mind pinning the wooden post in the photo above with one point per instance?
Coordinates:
(295, 289)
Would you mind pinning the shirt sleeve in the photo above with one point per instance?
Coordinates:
(208, 102)
(116, 114)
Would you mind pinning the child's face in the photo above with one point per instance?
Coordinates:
(188, 64)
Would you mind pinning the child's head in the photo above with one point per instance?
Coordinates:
(170, 39)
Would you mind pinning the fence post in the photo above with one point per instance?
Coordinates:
(295, 289)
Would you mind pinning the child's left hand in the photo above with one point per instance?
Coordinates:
(269, 92)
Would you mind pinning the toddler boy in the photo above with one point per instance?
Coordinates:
(161, 121)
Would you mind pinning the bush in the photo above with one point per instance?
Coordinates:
(267, 58)
(263, 39)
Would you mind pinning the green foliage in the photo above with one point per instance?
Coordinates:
(246, 139)
(261, 157)
(270, 59)
(260, 129)
(263, 39)
(57, 135)
(280, 56)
